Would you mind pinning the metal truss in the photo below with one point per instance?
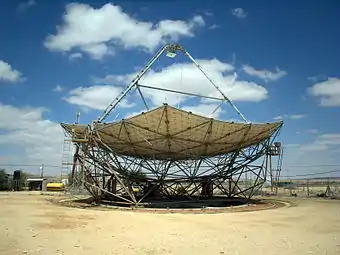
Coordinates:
(173, 49)
(137, 181)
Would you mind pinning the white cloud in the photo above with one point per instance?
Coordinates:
(23, 6)
(97, 30)
(75, 55)
(36, 140)
(58, 88)
(7, 73)
(290, 116)
(186, 77)
(239, 13)
(264, 74)
(322, 142)
(327, 91)
(95, 97)
(98, 51)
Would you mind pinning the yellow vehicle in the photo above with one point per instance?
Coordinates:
(55, 186)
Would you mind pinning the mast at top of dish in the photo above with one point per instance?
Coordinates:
(171, 50)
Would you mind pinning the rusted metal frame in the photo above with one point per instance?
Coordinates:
(176, 173)
(190, 129)
(243, 140)
(152, 169)
(139, 133)
(128, 136)
(186, 168)
(219, 185)
(203, 173)
(208, 135)
(238, 179)
(258, 175)
(127, 190)
(181, 169)
(115, 195)
(167, 167)
(146, 194)
(189, 164)
(87, 177)
(160, 121)
(186, 194)
(126, 149)
(95, 166)
(217, 139)
(248, 170)
(241, 191)
(196, 189)
(170, 190)
(167, 129)
(212, 165)
(114, 172)
(123, 142)
(142, 161)
(101, 161)
(197, 167)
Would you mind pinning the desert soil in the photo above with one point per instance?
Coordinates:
(31, 225)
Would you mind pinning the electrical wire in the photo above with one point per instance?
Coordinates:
(18, 165)
(313, 174)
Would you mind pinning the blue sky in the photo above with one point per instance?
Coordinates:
(284, 54)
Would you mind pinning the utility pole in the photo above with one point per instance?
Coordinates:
(307, 188)
(42, 171)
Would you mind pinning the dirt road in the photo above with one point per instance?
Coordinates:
(30, 225)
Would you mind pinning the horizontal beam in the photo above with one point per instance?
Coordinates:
(179, 92)
(80, 140)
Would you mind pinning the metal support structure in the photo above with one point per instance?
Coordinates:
(141, 180)
(116, 101)
(111, 176)
(169, 48)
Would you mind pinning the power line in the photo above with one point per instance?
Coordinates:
(18, 165)
(291, 166)
(313, 174)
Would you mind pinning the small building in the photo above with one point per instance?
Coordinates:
(36, 183)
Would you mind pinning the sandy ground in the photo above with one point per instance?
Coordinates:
(30, 225)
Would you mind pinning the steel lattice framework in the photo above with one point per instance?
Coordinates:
(168, 153)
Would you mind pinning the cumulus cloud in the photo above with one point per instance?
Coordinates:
(39, 139)
(95, 97)
(264, 74)
(96, 31)
(328, 92)
(239, 13)
(186, 77)
(8, 73)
